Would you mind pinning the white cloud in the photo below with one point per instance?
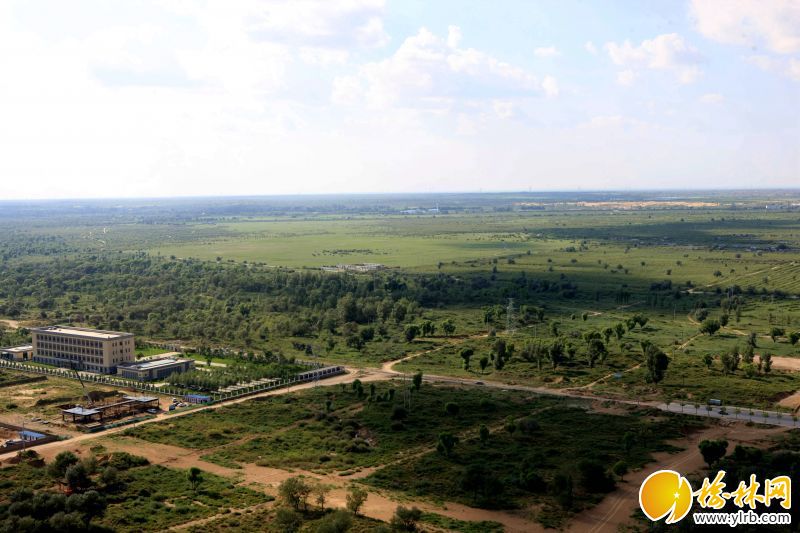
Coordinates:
(433, 73)
(788, 67)
(453, 36)
(773, 24)
(546, 51)
(550, 86)
(591, 48)
(712, 98)
(503, 108)
(329, 23)
(626, 77)
(668, 52)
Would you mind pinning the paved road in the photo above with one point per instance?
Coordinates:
(730, 412)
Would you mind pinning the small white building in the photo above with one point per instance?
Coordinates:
(17, 353)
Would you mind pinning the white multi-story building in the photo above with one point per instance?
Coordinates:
(81, 348)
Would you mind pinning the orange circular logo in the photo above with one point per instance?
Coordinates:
(665, 493)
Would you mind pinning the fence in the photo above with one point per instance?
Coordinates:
(244, 390)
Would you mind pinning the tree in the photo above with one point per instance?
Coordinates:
(294, 492)
(607, 333)
(405, 519)
(416, 381)
(556, 352)
(657, 363)
(356, 496)
(484, 362)
(446, 443)
(776, 332)
(619, 469)
(730, 361)
(794, 337)
(594, 477)
(288, 520)
(708, 359)
(628, 440)
(561, 489)
(597, 350)
(511, 426)
(766, 361)
(338, 521)
(195, 477)
(619, 330)
(411, 332)
(713, 450)
(77, 477)
(452, 408)
(58, 468)
(465, 354)
(109, 477)
(448, 327)
(428, 328)
(484, 434)
(321, 491)
(709, 326)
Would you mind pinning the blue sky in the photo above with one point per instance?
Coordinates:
(162, 98)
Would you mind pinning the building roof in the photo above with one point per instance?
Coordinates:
(82, 411)
(82, 332)
(142, 399)
(154, 363)
(17, 349)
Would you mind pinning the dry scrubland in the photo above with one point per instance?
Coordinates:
(621, 299)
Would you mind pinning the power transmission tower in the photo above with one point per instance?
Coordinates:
(511, 322)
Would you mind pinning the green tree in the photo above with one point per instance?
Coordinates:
(288, 520)
(58, 468)
(416, 381)
(195, 477)
(709, 326)
(446, 443)
(483, 362)
(713, 450)
(766, 361)
(411, 332)
(294, 492)
(776, 332)
(657, 363)
(466, 354)
(708, 359)
(448, 327)
(77, 477)
(356, 496)
(405, 519)
(484, 434)
(619, 469)
(596, 350)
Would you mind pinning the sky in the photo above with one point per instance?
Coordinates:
(148, 98)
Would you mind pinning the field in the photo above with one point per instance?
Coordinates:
(592, 308)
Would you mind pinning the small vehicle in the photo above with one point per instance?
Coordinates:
(172, 407)
(152, 411)
(175, 400)
(479, 383)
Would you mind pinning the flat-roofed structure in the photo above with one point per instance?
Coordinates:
(17, 353)
(154, 369)
(125, 406)
(94, 350)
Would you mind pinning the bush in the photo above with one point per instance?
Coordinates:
(287, 520)
(594, 477)
(336, 522)
(405, 519)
